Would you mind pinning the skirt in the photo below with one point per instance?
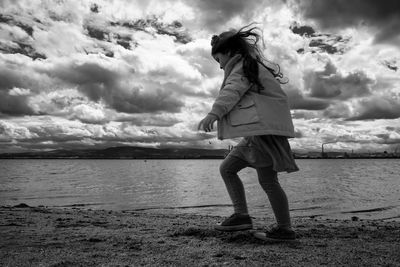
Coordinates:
(266, 150)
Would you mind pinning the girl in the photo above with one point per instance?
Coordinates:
(251, 104)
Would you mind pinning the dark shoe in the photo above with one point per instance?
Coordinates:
(236, 222)
(276, 234)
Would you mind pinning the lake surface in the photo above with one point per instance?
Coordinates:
(330, 188)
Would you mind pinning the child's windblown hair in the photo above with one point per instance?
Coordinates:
(245, 42)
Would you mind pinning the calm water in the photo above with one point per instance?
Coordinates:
(337, 188)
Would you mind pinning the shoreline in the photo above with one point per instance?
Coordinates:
(33, 236)
(364, 213)
(189, 158)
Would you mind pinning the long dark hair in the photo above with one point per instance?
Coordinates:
(245, 42)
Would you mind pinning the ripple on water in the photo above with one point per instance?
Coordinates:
(363, 187)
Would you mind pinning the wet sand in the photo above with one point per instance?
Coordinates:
(40, 236)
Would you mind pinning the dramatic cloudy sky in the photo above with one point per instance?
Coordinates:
(97, 73)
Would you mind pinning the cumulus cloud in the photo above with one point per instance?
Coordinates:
(103, 83)
(331, 84)
(89, 113)
(338, 110)
(19, 91)
(96, 74)
(384, 17)
(10, 131)
(377, 108)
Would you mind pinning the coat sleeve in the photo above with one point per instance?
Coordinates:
(236, 85)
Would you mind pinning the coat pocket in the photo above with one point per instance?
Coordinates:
(244, 112)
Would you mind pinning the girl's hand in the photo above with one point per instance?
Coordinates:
(207, 122)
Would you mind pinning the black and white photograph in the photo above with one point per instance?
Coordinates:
(199, 133)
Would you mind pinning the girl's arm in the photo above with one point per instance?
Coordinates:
(236, 85)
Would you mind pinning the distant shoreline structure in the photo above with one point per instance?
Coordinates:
(128, 152)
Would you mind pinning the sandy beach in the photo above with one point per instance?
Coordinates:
(40, 236)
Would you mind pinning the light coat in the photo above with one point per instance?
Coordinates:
(242, 111)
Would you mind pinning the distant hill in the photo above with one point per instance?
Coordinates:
(122, 152)
(131, 152)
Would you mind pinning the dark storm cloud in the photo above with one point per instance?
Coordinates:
(108, 35)
(384, 15)
(306, 31)
(111, 33)
(330, 84)
(216, 13)
(377, 108)
(387, 139)
(93, 80)
(390, 64)
(308, 103)
(10, 78)
(174, 29)
(97, 33)
(323, 46)
(100, 83)
(14, 45)
(138, 102)
(94, 8)
(11, 20)
(21, 48)
(329, 43)
(298, 101)
(320, 42)
(14, 105)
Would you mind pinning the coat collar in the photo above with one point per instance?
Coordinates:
(229, 67)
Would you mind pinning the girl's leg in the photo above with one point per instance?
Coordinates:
(268, 179)
(229, 169)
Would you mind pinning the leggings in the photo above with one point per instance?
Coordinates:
(268, 179)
